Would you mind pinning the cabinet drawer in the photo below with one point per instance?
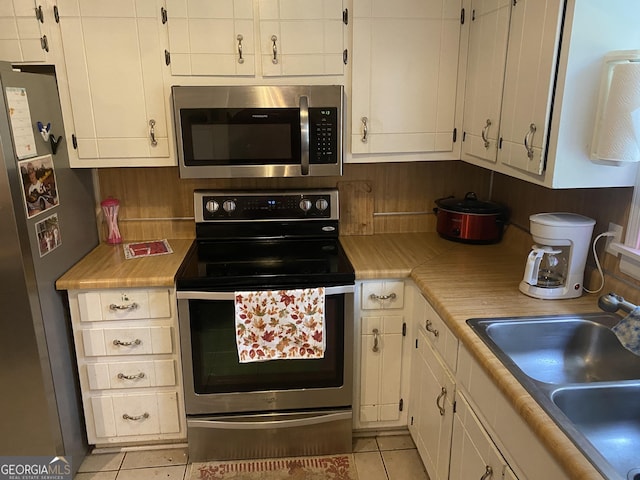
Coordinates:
(152, 373)
(126, 415)
(129, 304)
(126, 341)
(438, 334)
(382, 295)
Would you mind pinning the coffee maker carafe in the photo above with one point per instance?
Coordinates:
(555, 265)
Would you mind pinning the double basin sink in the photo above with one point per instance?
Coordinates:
(582, 376)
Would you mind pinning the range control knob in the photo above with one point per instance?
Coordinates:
(229, 206)
(212, 206)
(305, 205)
(322, 204)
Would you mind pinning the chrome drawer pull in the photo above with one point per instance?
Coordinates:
(144, 416)
(485, 130)
(240, 38)
(119, 343)
(430, 328)
(528, 140)
(443, 394)
(375, 340)
(274, 60)
(382, 298)
(132, 306)
(488, 473)
(365, 130)
(122, 376)
(152, 132)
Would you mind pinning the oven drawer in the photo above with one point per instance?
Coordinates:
(133, 415)
(126, 341)
(382, 295)
(125, 304)
(113, 375)
(269, 435)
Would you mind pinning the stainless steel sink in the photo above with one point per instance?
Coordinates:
(609, 417)
(564, 350)
(578, 371)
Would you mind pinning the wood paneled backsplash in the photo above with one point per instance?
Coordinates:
(375, 198)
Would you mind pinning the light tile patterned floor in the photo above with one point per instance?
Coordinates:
(377, 458)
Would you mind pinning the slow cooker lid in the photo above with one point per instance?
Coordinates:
(470, 204)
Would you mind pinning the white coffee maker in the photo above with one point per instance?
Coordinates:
(555, 265)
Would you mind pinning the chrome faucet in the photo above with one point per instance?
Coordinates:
(612, 302)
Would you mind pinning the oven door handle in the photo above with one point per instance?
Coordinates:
(189, 295)
(268, 424)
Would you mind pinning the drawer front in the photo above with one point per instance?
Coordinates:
(382, 295)
(127, 341)
(99, 305)
(132, 415)
(441, 337)
(152, 373)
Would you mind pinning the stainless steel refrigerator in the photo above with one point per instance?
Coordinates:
(44, 230)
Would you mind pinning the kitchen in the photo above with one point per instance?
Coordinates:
(380, 198)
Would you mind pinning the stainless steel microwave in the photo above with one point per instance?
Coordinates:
(259, 131)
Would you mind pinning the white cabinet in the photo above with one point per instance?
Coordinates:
(282, 37)
(433, 388)
(24, 31)
(488, 35)
(519, 446)
(473, 453)
(115, 103)
(405, 78)
(127, 350)
(551, 84)
(383, 357)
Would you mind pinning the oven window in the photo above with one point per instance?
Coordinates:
(225, 136)
(216, 368)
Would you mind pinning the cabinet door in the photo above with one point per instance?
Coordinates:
(488, 35)
(405, 68)
(211, 38)
(23, 31)
(381, 368)
(114, 66)
(301, 37)
(529, 83)
(473, 453)
(431, 407)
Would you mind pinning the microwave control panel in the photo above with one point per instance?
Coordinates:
(323, 135)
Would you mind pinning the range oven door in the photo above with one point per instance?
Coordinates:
(217, 383)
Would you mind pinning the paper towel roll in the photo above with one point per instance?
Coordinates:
(618, 136)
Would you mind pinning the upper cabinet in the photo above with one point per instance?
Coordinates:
(24, 31)
(405, 79)
(114, 71)
(548, 102)
(269, 38)
(486, 58)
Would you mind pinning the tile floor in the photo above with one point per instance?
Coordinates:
(377, 458)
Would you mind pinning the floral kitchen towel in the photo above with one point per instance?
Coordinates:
(280, 324)
(628, 331)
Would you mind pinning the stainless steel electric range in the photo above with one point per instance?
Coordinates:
(260, 241)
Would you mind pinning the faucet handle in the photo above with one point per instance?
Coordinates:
(613, 302)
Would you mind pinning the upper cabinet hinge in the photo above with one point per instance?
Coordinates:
(500, 143)
(167, 57)
(411, 423)
(515, 2)
(462, 17)
(404, 329)
(464, 136)
(39, 14)
(473, 15)
(163, 14)
(345, 16)
(56, 14)
(401, 404)
(74, 141)
(454, 406)
(455, 135)
(345, 56)
(416, 343)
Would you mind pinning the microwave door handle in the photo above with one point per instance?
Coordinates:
(304, 133)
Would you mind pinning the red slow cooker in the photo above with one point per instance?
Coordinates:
(470, 220)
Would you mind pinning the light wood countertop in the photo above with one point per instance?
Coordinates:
(466, 281)
(106, 267)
